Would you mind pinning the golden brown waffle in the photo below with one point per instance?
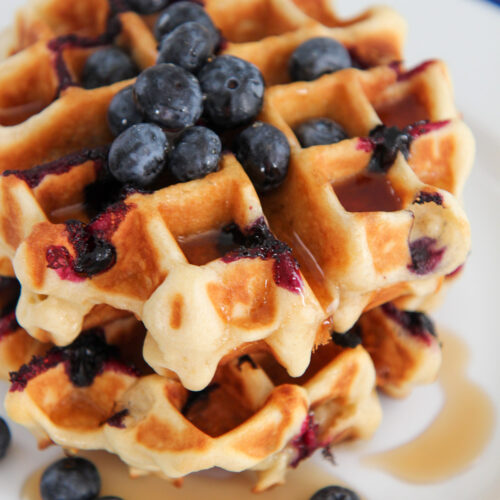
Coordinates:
(403, 346)
(158, 275)
(241, 321)
(252, 416)
(16, 346)
(273, 29)
(345, 239)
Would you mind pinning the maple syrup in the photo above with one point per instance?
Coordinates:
(367, 192)
(456, 437)
(301, 483)
(403, 112)
(202, 248)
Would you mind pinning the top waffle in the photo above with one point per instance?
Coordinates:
(249, 296)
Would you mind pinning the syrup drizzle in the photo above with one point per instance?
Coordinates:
(257, 242)
(367, 192)
(301, 483)
(457, 436)
(202, 248)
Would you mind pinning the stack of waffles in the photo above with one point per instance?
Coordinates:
(232, 330)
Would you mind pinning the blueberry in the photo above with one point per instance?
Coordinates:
(72, 478)
(350, 339)
(319, 131)
(388, 141)
(107, 66)
(264, 153)
(184, 12)
(4, 437)
(169, 96)
(196, 154)
(137, 156)
(147, 6)
(123, 111)
(233, 90)
(335, 493)
(316, 57)
(189, 46)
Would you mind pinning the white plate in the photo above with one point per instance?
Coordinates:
(466, 34)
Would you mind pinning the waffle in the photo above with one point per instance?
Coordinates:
(253, 416)
(158, 274)
(16, 346)
(351, 266)
(237, 366)
(404, 348)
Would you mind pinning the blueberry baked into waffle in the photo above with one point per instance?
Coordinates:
(227, 222)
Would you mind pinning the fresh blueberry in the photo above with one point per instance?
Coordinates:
(189, 46)
(196, 154)
(107, 66)
(123, 111)
(137, 156)
(264, 153)
(233, 90)
(147, 6)
(184, 12)
(169, 96)
(72, 478)
(319, 131)
(4, 437)
(316, 57)
(335, 493)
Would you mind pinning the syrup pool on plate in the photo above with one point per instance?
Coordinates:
(301, 483)
(456, 437)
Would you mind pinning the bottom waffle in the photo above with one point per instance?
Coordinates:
(253, 415)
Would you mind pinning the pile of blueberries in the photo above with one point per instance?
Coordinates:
(169, 123)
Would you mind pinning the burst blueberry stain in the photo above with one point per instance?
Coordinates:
(84, 359)
(425, 257)
(416, 323)
(91, 243)
(35, 175)
(387, 142)
(257, 242)
(426, 197)
(306, 442)
(117, 420)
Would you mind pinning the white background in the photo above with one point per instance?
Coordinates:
(466, 34)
